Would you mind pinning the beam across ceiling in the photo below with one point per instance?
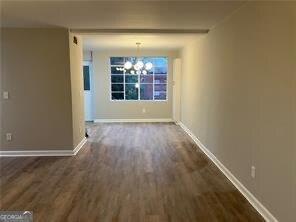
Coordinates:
(140, 31)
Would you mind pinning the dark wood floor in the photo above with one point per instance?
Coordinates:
(127, 172)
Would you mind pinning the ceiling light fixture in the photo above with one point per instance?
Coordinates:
(138, 67)
(128, 65)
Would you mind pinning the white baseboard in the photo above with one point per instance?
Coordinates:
(133, 120)
(19, 153)
(79, 146)
(244, 191)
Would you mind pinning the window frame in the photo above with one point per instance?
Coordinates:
(139, 76)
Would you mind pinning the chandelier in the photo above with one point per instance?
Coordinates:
(137, 66)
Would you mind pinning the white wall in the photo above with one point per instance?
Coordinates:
(104, 108)
(87, 56)
(238, 98)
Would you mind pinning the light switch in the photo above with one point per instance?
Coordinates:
(253, 172)
(5, 95)
(8, 136)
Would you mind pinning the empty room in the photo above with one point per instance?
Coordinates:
(147, 111)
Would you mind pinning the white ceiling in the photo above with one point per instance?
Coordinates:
(123, 14)
(128, 41)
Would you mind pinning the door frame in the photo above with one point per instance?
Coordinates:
(177, 70)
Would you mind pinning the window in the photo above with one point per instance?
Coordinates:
(125, 85)
(86, 78)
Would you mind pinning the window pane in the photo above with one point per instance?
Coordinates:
(149, 72)
(131, 78)
(160, 62)
(160, 70)
(160, 95)
(146, 78)
(117, 60)
(117, 96)
(146, 92)
(130, 71)
(160, 79)
(117, 78)
(131, 59)
(148, 59)
(160, 87)
(114, 70)
(131, 92)
(86, 78)
(160, 91)
(117, 87)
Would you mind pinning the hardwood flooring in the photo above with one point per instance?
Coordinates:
(128, 172)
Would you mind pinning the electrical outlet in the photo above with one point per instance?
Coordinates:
(253, 172)
(8, 136)
(5, 95)
(143, 110)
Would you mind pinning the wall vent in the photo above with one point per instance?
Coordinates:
(75, 40)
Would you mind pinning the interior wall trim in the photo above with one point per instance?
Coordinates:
(133, 120)
(79, 146)
(243, 190)
(22, 153)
